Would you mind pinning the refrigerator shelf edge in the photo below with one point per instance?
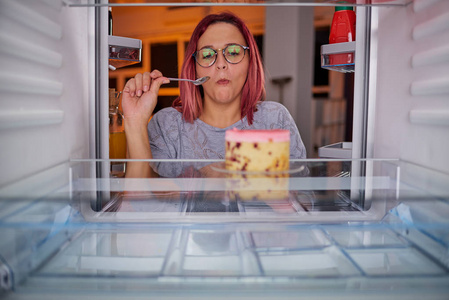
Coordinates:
(370, 3)
(337, 49)
(342, 150)
(124, 51)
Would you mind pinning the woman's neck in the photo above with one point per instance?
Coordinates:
(221, 116)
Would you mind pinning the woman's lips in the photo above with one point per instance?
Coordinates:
(223, 81)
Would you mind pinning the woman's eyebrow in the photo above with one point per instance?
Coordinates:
(212, 47)
(207, 46)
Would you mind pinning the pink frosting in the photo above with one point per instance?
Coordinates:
(274, 135)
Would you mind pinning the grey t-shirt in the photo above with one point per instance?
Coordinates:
(171, 137)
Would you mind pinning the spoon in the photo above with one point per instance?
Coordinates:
(199, 81)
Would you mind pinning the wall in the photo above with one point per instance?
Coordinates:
(412, 102)
(44, 87)
(288, 48)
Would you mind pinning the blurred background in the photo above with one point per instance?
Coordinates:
(289, 39)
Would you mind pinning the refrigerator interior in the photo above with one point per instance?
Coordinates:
(334, 228)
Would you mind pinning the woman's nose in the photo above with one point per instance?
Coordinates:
(221, 62)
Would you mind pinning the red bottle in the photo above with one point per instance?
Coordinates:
(342, 30)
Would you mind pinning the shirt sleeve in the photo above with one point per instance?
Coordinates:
(297, 148)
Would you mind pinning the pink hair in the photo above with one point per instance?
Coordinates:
(190, 101)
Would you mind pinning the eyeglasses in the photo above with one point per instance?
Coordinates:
(233, 53)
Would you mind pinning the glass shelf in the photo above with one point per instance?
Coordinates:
(194, 231)
(112, 3)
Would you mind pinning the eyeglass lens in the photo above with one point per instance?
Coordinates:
(207, 56)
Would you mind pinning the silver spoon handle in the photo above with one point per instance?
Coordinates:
(180, 79)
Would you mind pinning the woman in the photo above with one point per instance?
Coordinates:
(222, 48)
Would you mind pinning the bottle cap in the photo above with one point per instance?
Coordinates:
(338, 8)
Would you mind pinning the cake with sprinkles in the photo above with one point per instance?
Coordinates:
(257, 150)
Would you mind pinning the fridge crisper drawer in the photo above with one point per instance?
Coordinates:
(85, 238)
(246, 258)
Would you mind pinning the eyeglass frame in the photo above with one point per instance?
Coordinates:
(223, 52)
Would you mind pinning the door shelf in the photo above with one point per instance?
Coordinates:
(124, 51)
(338, 57)
(341, 150)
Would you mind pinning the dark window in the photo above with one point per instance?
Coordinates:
(112, 83)
(320, 75)
(164, 101)
(259, 42)
(185, 48)
(164, 57)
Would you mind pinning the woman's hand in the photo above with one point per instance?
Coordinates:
(139, 97)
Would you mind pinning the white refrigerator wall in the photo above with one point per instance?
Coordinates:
(46, 80)
(411, 116)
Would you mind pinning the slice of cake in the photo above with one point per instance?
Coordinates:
(256, 159)
(257, 150)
